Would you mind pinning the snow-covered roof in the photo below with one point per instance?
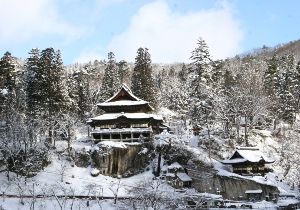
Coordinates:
(124, 97)
(170, 175)
(123, 130)
(126, 88)
(237, 160)
(175, 165)
(112, 116)
(251, 154)
(123, 103)
(253, 191)
(184, 177)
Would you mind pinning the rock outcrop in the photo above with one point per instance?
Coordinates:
(121, 159)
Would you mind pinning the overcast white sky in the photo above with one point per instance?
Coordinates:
(88, 30)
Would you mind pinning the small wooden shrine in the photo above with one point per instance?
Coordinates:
(248, 160)
(177, 177)
(127, 118)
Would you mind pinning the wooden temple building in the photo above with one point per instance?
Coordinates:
(248, 160)
(127, 118)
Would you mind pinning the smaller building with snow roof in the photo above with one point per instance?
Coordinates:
(248, 160)
(177, 177)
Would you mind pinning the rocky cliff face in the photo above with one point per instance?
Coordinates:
(125, 160)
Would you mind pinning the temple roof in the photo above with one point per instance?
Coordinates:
(124, 98)
(247, 154)
(184, 177)
(112, 116)
(175, 165)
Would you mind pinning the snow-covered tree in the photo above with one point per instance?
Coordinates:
(123, 70)
(199, 81)
(33, 78)
(111, 80)
(142, 83)
(11, 92)
(287, 82)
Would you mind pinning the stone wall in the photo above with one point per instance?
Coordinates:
(232, 188)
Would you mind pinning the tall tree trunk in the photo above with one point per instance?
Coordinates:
(158, 163)
(246, 137)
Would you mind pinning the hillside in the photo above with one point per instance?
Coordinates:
(211, 108)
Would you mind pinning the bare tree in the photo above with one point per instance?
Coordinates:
(149, 194)
(114, 188)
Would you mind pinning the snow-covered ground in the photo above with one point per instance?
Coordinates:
(61, 177)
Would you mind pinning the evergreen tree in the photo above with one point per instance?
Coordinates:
(297, 87)
(143, 85)
(271, 76)
(53, 95)
(8, 98)
(123, 71)
(80, 90)
(33, 84)
(200, 78)
(286, 92)
(183, 73)
(111, 80)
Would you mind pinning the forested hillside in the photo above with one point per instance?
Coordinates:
(43, 101)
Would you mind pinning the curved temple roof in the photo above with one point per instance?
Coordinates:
(124, 97)
(111, 116)
(250, 154)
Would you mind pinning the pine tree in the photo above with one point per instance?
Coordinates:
(271, 75)
(53, 96)
(33, 84)
(111, 80)
(80, 94)
(7, 87)
(200, 78)
(123, 72)
(286, 92)
(202, 62)
(143, 85)
(183, 73)
(297, 87)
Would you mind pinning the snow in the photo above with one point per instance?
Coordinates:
(95, 172)
(251, 154)
(114, 144)
(184, 177)
(123, 103)
(54, 204)
(253, 191)
(110, 116)
(123, 130)
(236, 160)
(80, 180)
(170, 175)
(175, 165)
(144, 151)
(4, 91)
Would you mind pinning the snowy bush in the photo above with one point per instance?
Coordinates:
(95, 172)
